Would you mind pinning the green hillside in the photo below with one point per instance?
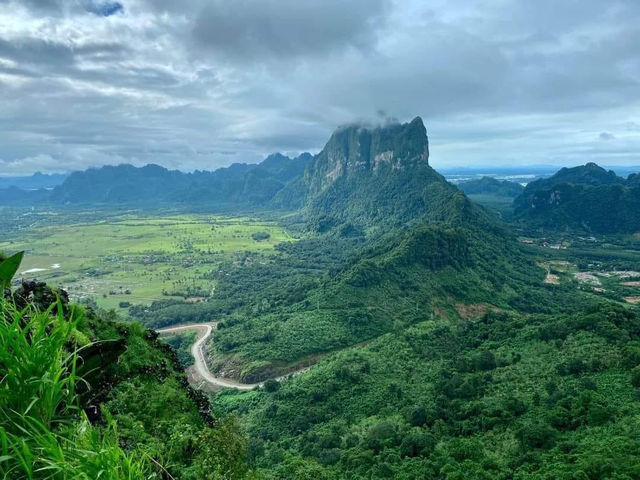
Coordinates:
(491, 186)
(502, 395)
(440, 346)
(84, 396)
(586, 198)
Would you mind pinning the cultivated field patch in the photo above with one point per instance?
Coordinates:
(128, 259)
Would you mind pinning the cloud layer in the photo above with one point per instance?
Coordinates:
(201, 84)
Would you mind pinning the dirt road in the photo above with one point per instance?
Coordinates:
(204, 333)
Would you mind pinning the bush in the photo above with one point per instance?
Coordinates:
(44, 433)
(486, 360)
(536, 435)
(271, 385)
(260, 236)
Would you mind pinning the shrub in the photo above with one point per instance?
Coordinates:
(44, 433)
(536, 435)
(260, 236)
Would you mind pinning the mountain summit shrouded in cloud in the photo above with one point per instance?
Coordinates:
(203, 84)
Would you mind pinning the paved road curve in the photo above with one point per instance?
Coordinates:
(205, 330)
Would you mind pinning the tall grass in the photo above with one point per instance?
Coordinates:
(43, 432)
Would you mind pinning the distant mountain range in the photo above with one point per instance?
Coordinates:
(238, 184)
(587, 198)
(363, 176)
(367, 177)
(491, 186)
(33, 182)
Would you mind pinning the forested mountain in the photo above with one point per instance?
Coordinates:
(20, 197)
(372, 177)
(438, 348)
(491, 186)
(587, 198)
(239, 184)
(589, 174)
(33, 182)
(384, 230)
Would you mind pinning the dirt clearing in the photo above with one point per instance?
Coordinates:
(552, 279)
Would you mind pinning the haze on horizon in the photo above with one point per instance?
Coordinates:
(202, 84)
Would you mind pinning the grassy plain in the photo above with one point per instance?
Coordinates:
(139, 259)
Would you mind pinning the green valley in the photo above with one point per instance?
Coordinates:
(319, 240)
(123, 259)
(367, 321)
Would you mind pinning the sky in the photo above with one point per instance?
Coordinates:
(200, 84)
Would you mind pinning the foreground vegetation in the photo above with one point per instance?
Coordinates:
(84, 397)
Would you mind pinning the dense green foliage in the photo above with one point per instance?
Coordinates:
(582, 198)
(8, 268)
(503, 396)
(381, 287)
(43, 432)
(86, 397)
(181, 343)
(443, 347)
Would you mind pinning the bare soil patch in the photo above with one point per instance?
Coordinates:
(587, 277)
(474, 310)
(552, 279)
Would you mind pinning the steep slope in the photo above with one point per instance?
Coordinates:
(390, 241)
(374, 177)
(586, 198)
(85, 396)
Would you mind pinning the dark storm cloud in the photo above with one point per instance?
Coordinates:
(98, 7)
(181, 83)
(252, 28)
(36, 52)
(40, 6)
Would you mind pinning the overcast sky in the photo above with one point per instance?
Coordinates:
(198, 84)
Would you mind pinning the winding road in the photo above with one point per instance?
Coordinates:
(204, 332)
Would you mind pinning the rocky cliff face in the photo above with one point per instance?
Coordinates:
(375, 179)
(356, 150)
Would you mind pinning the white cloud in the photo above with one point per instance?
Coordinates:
(199, 84)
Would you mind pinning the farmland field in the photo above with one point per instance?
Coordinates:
(127, 259)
